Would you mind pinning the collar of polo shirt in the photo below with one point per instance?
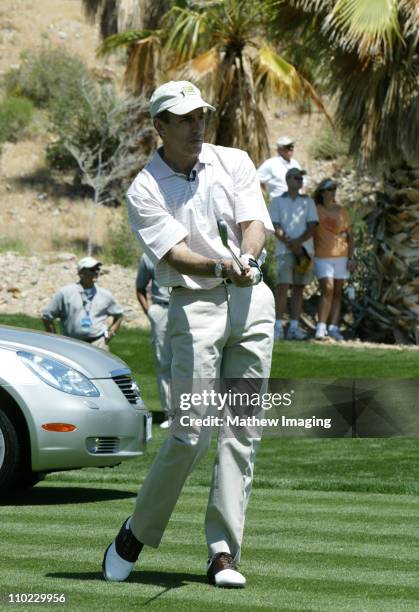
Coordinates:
(162, 170)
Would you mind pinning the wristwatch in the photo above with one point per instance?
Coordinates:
(219, 268)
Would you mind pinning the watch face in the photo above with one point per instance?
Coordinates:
(218, 270)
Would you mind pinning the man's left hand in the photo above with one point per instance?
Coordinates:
(249, 261)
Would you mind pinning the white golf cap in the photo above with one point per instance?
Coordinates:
(88, 262)
(178, 97)
(284, 141)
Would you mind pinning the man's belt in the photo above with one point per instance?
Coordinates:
(161, 303)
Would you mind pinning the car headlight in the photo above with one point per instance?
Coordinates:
(58, 375)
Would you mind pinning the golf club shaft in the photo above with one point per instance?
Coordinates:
(223, 231)
(236, 259)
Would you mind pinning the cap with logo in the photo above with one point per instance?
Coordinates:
(284, 141)
(88, 262)
(178, 97)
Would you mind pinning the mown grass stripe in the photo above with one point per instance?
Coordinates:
(49, 495)
(278, 530)
(277, 570)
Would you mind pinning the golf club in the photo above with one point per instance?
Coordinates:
(222, 230)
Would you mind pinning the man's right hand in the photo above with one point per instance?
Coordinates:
(237, 277)
(295, 247)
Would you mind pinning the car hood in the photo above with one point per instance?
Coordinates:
(87, 359)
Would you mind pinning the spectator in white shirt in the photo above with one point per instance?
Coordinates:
(272, 172)
(294, 217)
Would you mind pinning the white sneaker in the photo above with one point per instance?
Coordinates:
(121, 555)
(222, 572)
(321, 334)
(296, 334)
(165, 424)
(335, 334)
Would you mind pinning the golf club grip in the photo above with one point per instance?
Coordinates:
(236, 259)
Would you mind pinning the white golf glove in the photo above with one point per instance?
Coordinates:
(248, 260)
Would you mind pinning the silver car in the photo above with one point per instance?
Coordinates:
(64, 404)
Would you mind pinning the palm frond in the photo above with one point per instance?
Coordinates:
(143, 66)
(116, 41)
(199, 67)
(410, 9)
(184, 27)
(378, 105)
(370, 26)
(274, 75)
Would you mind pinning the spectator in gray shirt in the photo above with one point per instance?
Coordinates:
(156, 310)
(83, 308)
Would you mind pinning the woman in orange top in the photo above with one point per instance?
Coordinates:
(333, 249)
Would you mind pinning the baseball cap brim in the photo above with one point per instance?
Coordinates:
(284, 141)
(183, 107)
(87, 263)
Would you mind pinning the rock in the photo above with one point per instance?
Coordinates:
(65, 257)
(401, 177)
(412, 194)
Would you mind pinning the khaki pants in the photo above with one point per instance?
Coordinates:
(223, 332)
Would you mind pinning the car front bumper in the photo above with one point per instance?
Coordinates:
(108, 429)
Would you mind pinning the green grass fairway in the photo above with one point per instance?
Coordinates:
(332, 525)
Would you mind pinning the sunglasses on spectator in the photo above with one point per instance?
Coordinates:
(289, 147)
(330, 189)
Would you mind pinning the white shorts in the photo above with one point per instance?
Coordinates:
(331, 267)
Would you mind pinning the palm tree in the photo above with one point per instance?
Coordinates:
(119, 15)
(368, 50)
(221, 44)
(369, 53)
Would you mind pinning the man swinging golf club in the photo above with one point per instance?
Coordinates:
(221, 319)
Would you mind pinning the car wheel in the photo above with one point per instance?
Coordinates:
(9, 453)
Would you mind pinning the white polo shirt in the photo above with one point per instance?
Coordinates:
(272, 174)
(293, 216)
(165, 208)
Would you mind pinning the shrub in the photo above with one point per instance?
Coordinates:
(15, 116)
(269, 267)
(121, 247)
(328, 144)
(45, 74)
(84, 120)
(16, 245)
(103, 138)
(363, 252)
